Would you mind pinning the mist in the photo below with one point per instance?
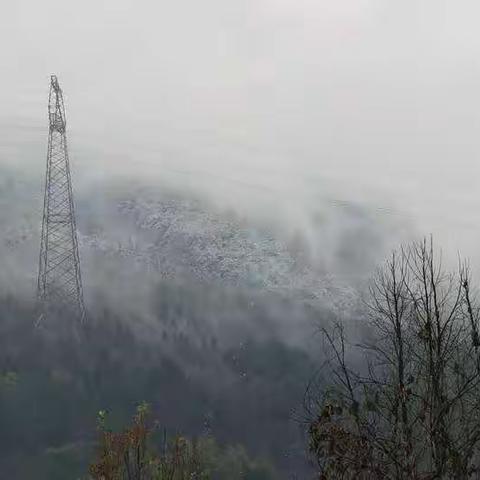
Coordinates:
(266, 107)
(240, 169)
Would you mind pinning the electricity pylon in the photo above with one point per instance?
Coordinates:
(59, 279)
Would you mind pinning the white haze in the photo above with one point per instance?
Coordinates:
(269, 107)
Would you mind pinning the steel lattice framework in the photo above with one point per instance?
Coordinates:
(59, 278)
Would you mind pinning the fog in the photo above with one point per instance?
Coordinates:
(268, 107)
(239, 169)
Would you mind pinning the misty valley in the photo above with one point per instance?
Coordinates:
(239, 240)
(206, 318)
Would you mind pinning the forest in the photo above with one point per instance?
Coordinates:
(400, 402)
(55, 383)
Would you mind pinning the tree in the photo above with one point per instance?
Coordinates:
(414, 413)
(126, 455)
(129, 455)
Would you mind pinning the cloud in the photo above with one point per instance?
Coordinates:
(375, 100)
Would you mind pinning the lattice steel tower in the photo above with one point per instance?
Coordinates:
(59, 279)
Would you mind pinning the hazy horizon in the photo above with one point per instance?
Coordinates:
(240, 169)
(265, 106)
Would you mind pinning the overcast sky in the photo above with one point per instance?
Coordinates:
(369, 100)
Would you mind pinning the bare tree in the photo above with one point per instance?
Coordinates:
(415, 411)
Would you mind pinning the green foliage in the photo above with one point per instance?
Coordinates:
(8, 380)
(59, 386)
(234, 464)
(130, 454)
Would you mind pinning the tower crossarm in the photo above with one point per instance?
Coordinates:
(56, 107)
